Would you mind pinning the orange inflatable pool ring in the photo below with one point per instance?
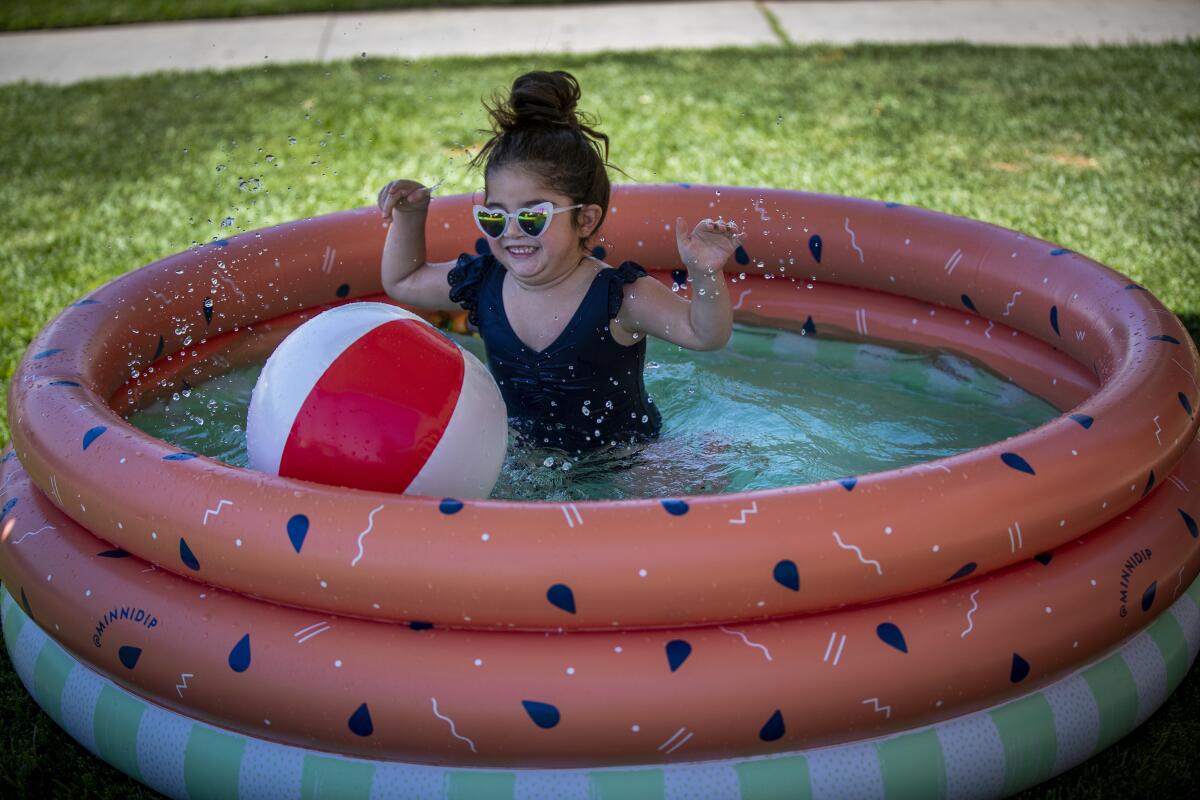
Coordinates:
(638, 632)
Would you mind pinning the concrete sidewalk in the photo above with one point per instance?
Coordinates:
(78, 54)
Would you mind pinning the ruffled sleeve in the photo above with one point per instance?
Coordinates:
(628, 272)
(465, 279)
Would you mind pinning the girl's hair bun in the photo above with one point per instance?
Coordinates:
(540, 99)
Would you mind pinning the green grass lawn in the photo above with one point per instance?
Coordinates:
(1095, 149)
(20, 15)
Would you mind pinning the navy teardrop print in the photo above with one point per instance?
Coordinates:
(561, 596)
(814, 247)
(1043, 559)
(343, 290)
(1164, 338)
(1083, 419)
(47, 353)
(848, 483)
(297, 530)
(774, 728)
(966, 301)
(963, 571)
(239, 656)
(808, 328)
(1149, 484)
(25, 604)
(12, 502)
(187, 556)
(677, 652)
(741, 256)
(1054, 319)
(360, 721)
(543, 715)
(179, 457)
(420, 626)
(129, 655)
(786, 574)
(1190, 523)
(450, 506)
(1016, 462)
(92, 435)
(1183, 401)
(676, 508)
(891, 635)
(1020, 669)
(158, 351)
(1148, 595)
(117, 553)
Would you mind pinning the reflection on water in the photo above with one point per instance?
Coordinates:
(771, 409)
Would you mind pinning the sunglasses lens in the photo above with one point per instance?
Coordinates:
(533, 221)
(491, 222)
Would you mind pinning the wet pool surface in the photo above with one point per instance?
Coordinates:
(771, 409)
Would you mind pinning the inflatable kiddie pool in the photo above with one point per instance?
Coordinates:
(972, 625)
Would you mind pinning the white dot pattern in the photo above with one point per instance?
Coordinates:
(1149, 674)
(974, 756)
(1076, 721)
(845, 773)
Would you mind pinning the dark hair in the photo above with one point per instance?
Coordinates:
(538, 129)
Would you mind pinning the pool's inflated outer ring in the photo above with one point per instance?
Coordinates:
(652, 562)
(996, 752)
(504, 698)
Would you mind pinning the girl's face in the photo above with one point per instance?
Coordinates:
(557, 251)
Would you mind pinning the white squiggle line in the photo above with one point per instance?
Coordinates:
(741, 297)
(1178, 583)
(1008, 306)
(370, 524)
(1157, 430)
(27, 534)
(1190, 376)
(858, 552)
(854, 242)
(988, 332)
(11, 475)
(747, 641)
(887, 710)
(54, 489)
(183, 676)
(752, 510)
(971, 622)
(216, 511)
(452, 729)
(942, 467)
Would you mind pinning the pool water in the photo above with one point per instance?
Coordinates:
(771, 409)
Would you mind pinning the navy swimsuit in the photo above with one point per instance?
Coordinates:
(583, 391)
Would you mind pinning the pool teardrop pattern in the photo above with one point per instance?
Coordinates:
(787, 574)
(774, 728)
(239, 656)
(1020, 669)
(1016, 462)
(561, 596)
(187, 556)
(297, 531)
(360, 721)
(543, 715)
(92, 435)
(677, 652)
(892, 636)
(129, 655)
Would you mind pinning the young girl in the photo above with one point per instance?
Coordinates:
(564, 332)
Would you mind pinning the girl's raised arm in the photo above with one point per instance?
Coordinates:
(405, 274)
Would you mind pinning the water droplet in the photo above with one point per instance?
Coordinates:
(291, 140)
(220, 167)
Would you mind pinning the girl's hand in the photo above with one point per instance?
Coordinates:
(709, 245)
(403, 197)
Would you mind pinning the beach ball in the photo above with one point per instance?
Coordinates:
(371, 396)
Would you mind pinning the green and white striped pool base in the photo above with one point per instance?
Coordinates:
(989, 753)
